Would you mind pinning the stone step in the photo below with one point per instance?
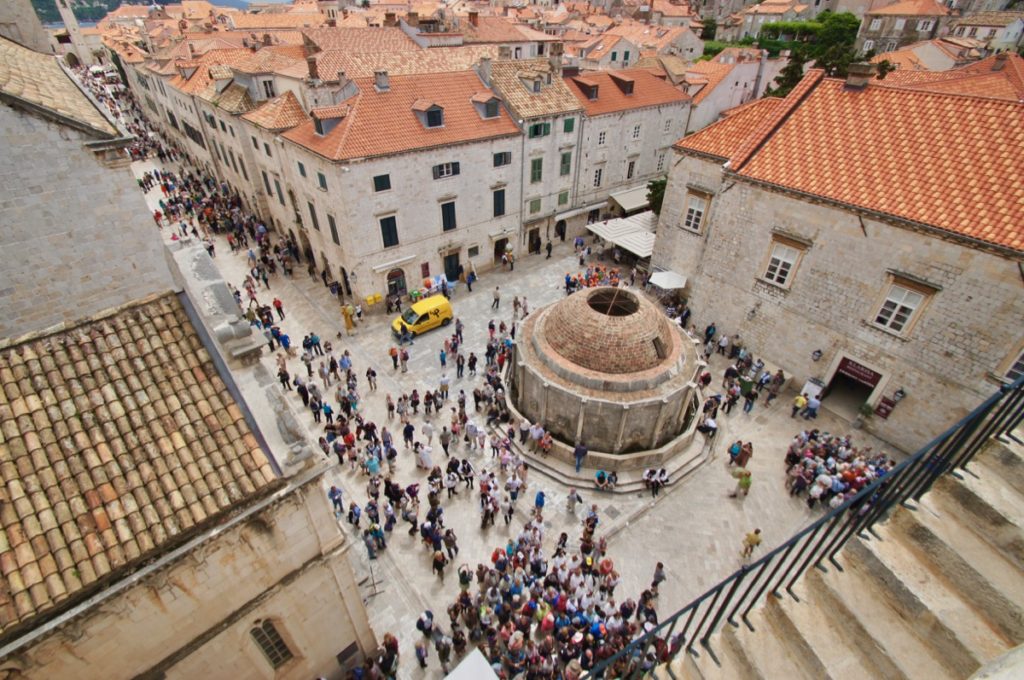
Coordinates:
(1005, 457)
(813, 631)
(996, 521)
(972, 566)
(683, 667)
(938, 615)
(732, 660)
(766, 650)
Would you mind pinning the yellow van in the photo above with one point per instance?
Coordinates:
(428, 313)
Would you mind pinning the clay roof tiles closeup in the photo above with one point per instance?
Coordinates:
(949, 161)
(1000, 76)
(554, 98)
(723, 138)
(648, 90)
(911, 8)
(711, 73)
(382, 123)
(119, 441)
(283, 112)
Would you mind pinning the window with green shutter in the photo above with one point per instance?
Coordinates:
(536, 170)
(568, 125)
(566, 167)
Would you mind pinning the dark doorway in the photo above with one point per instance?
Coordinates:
(396, 282)
(560, 229)
(451, 266)
(849, 388)
(534, 240)
(499, 248)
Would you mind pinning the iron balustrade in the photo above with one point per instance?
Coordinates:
(819, 542)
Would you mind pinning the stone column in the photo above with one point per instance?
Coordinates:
(544, 403)
(622, 429)
(579, 419)
(659, 424)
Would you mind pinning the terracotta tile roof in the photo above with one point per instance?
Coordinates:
(984, 78)
(234, 99)
(120, 440)
(329, 112)
(598, 46)
(361, 39)
(648, 90)
(406, 62)
(989, 19)
(500, 30)
(771, 7)
(672, 9)
(709, 72)
(383, 123)
(277, 20)
(911, 8)
(948, 161)
(39, 80)
(280, 113)
(648, 37)
(723, 138)
(284, 59)
(507, 78)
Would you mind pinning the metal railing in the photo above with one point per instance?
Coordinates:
(690, 629)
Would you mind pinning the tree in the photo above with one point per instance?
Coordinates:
(710, 26)
(656, 194)
(791, 74)
(832, 49)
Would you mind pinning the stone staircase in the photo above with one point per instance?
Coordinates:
(936, 595)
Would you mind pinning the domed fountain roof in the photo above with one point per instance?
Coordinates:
(608, 330)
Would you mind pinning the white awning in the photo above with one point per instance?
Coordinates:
(579, 211)
(473, 667)
(631, 199)
(634, 233)
(394, 263)
(668, 280)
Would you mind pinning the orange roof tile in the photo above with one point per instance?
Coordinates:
(723, 138)
(329, 112)
(1000, 76)
(648, 90)
(357, 64)
(361, 39)
(944, 160)
(711, 72)
(277, 20)
(382, 123)
(120, 440)
(911, 8)
(283, 112)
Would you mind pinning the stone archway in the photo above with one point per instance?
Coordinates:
(72, 60)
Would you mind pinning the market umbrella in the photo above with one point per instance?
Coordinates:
(668, 280)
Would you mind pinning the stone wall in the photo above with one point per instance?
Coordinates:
(945, 360)
(77, 237)
(19, 22)
(192, 618)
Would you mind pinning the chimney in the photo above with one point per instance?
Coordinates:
(474, 17)
(380, 81)
(266, 40)
(413, 19)
(555, 59)
(1000, 61)
(389, 18)
(311, 65)
(858, 75)
(332, 22)
(485, 70)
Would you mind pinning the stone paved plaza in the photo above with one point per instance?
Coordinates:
(693, 527)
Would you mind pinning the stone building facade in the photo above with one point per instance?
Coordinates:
(914, 321)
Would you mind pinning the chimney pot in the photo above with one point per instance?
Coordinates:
(858, 75)
(380, 81)
(311, 66)
(1000, 61)
(413, 19)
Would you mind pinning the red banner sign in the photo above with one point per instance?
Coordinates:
(858, 372)
(884, 408)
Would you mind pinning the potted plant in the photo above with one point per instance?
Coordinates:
(865, 412)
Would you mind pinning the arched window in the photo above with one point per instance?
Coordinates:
(269, 640)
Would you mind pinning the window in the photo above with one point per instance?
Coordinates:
(446, 170)
(280, 196)
(636, 132)
(535, 206)
(389, 231)
(661, 162)
(1016, 370)
(566, 166)
(536, 169)
(333, 226)
(302, 169)
(269, 640)
(900, 304)
(321, 179)
(568, 125)
(435, 118)
(875, 25)
(615, 56)
(255, 144)
(539, 130)
(563, 198)
(601, 138)
(499, 202)
(473, 251)
(668, 125)
(268, 88)
(266, 183)
(231, 130)
(491, 109)
(448, 216)
(318, 126)
(266, 147)
(231, 154)
(312, 215)
(869, 45)
(630, 169)
(382, 183)
(696, 206)
(223, 128)
(900, 23)
(781, 262)
(503, 158)
(597, 176)
(241, 166)
(925, 25)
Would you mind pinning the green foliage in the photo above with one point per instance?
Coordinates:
(795, 29)
(710, 26)
(713, 47)
(656, 194)
(791, 73)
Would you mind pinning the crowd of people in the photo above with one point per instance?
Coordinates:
(829, 469)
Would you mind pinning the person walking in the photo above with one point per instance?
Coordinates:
(279, 306)
(571, 500)
(743, 482)
(439, 563)
(811, 410)
(579, 453)
(799, 402)
(659, 575)
(443, 356)
(750, 541)
(548, 247)
(497, 298)
(748, 400)
(393, 353)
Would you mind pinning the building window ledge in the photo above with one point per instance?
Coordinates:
(886, 331)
